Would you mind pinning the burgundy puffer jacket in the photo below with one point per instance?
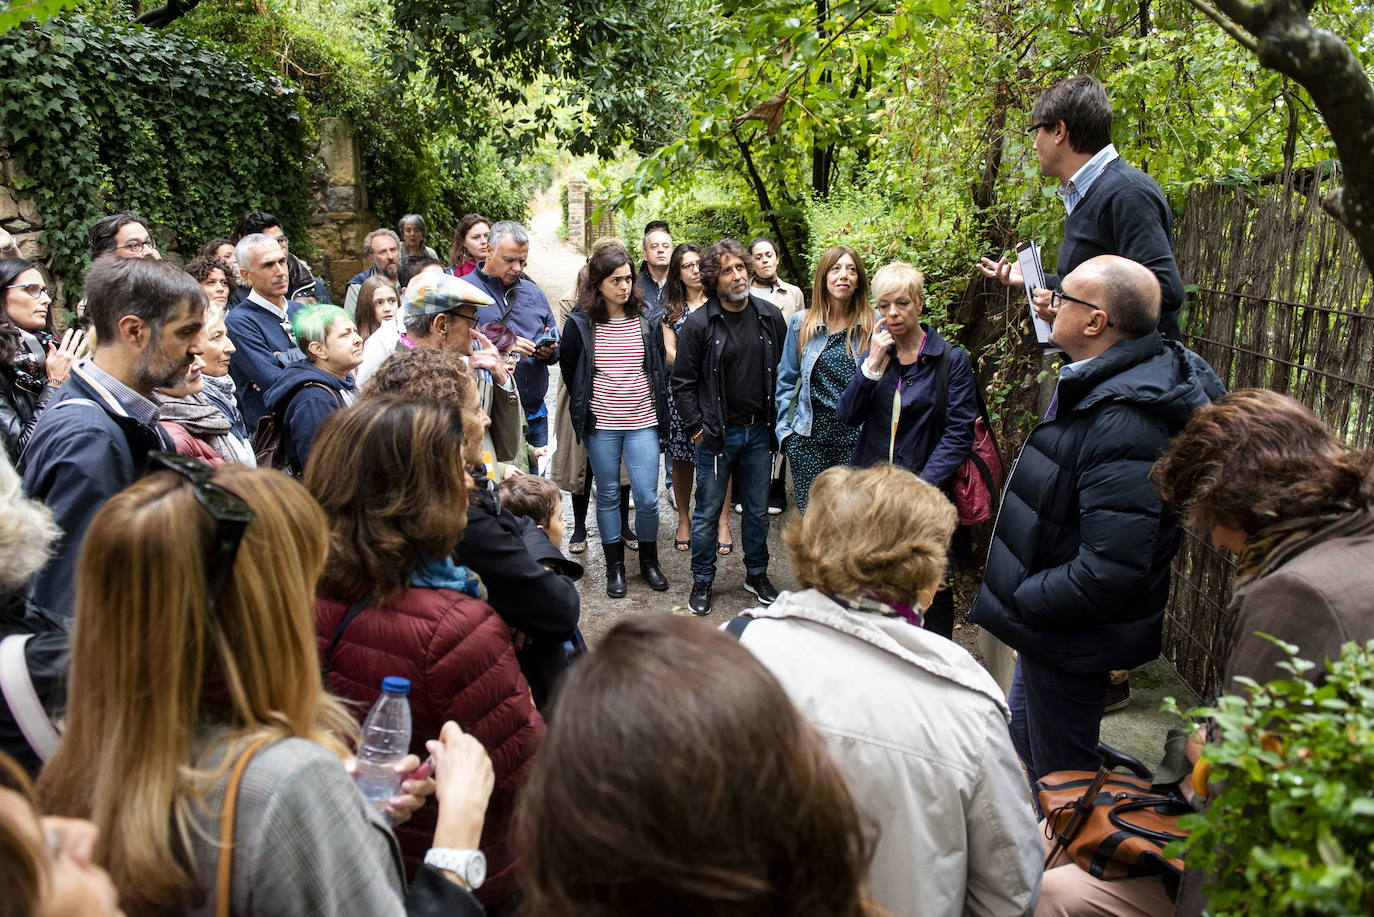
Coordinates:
(457, 653)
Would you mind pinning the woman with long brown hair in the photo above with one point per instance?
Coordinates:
(822, 353)
(391, 474)
(678, 779)
(469, 244)
(613, 365)
(194, 653)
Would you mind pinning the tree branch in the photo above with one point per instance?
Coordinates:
(1227, 25)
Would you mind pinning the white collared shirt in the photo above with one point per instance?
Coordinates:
(1072, 191)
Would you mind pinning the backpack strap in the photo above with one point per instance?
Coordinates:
(22, 699)
(224, 883)
(353, 611)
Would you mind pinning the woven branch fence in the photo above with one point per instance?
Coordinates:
(1283, 303)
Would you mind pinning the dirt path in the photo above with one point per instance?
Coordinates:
(553, 263)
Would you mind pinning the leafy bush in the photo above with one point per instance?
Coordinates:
(1292, 829)
(108, 116)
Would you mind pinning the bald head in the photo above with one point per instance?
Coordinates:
(1129, 293)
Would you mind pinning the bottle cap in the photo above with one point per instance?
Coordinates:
(395, 684)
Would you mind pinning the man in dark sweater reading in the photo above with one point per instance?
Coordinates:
(1113, 208)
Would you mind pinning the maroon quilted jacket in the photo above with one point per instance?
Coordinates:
(458, 656)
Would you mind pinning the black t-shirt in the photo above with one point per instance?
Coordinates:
(744, 377)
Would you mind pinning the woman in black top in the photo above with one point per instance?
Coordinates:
(32, 363)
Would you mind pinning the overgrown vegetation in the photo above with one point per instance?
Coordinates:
(1302, 754)
(103, 116)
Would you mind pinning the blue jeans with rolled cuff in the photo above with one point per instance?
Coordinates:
(748, 457)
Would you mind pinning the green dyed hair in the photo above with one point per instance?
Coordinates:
(312, 325)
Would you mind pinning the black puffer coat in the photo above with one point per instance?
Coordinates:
(1078, 571)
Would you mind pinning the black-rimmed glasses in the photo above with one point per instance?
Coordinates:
(1058, 297)
(230, 512)
(1039, 124)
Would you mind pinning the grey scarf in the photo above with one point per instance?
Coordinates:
(201, 419)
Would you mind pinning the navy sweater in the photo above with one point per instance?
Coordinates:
(264, 350)
(1124, 213)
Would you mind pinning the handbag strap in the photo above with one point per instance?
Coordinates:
(22, 698)
(224, 878)
(353, 611)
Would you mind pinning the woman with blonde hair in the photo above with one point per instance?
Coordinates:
(201, 418)
(194, 655)
(907, 372)
(917, 727)
(821, 355)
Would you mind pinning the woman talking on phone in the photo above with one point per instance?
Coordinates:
(908, 371)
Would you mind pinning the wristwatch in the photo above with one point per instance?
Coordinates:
(470, 865)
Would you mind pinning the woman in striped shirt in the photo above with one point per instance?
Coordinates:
(612, 360)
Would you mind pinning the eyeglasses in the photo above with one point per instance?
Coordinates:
(281, 240)
(1039, 124)
(1058, 297)
(230, 512)
(138, 245)
(36, 290)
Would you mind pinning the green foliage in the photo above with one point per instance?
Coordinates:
(1292, 829)
(17, 11)
(708, 214)
(414, 159)
(617, 66)
(107, 116)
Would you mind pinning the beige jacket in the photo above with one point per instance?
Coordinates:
(919, 730)
(787, 297)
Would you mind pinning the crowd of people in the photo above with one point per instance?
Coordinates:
(232, 508)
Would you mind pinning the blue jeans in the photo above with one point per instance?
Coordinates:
(748, 458)
(537, 434)
(639, 449)
(1055, 718)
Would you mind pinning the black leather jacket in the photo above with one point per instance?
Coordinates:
(22, 398)
(47, 655)
(577, 359)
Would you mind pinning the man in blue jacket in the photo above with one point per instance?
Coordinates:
(94, 439)
(260, 326)
(523, 308)
(1078, 571)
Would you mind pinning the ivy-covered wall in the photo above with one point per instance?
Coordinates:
(101, 116)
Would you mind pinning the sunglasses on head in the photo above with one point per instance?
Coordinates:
(230, 512)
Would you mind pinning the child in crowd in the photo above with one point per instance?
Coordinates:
(529, 496)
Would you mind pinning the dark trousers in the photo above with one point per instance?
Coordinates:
(748, 457)
(1055, 718)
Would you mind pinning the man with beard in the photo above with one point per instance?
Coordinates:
(723, 380)
(383, 248)
(94, 439)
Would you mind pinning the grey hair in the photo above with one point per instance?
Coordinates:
(505, 228)
(243, 251)
(367, 242)
(420, 326)
(414, 219)
(27, 531)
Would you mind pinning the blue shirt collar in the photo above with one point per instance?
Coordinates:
(129, 401)
(1072, 191)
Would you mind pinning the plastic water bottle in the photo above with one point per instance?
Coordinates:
(385, 740)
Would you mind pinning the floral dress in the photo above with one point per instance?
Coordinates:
(680, 447)
(831, 443)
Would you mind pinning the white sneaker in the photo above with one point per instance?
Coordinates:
(739, 509)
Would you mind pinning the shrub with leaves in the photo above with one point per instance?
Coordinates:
(1291, 830)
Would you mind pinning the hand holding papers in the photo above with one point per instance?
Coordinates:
(1028, 259)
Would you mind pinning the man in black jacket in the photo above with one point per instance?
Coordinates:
(1078, 572)
(1113, 208)
(723, 380)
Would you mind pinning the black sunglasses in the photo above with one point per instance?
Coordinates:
(230, 512)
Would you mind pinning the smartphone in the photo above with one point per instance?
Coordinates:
(547, 340)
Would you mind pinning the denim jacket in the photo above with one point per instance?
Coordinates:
(794, 378)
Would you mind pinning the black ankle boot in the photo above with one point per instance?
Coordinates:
(648, 566)
(615, 569)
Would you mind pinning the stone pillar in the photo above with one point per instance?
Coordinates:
(341, 218)
(577, 212)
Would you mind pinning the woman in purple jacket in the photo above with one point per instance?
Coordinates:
(909, 371)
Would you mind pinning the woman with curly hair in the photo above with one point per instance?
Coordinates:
(917, 727)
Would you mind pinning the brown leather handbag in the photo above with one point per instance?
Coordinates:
(224, 881)
(1122, 823)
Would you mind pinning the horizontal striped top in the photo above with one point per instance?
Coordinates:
(621, 396)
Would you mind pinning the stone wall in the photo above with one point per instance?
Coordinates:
(340, 220)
